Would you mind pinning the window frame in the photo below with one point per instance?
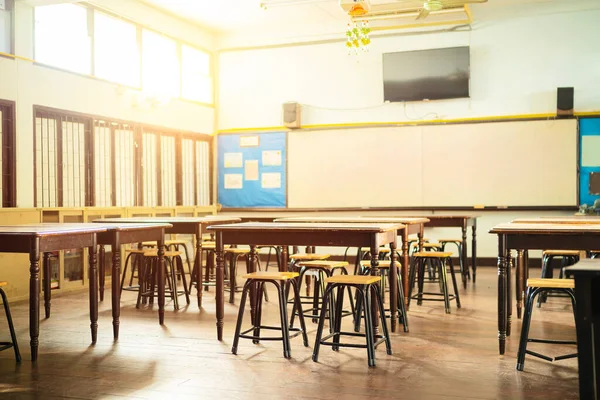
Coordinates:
(9, 130)
(91, 9)
(138, 129)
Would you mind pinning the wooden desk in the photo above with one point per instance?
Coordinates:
(34, 239)
(116, 235)
(539, 236)
(182, 225)
(463, 222)
(290, 234)
(410, 226)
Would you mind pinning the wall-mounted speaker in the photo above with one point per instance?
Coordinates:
(291, 115)
(564, 101)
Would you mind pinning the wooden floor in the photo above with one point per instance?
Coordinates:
(443, 357)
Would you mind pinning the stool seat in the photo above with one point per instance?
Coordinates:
(353, 279)
(309, 257)
(381, 249)
(209, 246)
(382, 263)
(175, 242)
(149, 243)
(136, 251)
(154, 253)
(327, 264)
(268, 275)
(3, 283)
(551, 283)
(450, 240)
(433, 254)
(572, 253)
(236, 251)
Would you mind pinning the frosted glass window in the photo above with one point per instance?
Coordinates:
(102, 166)
(125, 168)
(202, 174)
(168, 171)
(5, 31)
(149, 173)
(187, 172)
(45, 156)
(61, 37)
(196, 82)
(160, 65)
(73, 165)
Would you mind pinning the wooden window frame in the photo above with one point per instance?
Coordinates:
(9, 129)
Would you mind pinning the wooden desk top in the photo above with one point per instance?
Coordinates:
(307, 227)
(559, 220)
(208, 219)
(356, 219)
(51, 229)
(114, 226)
(453, 216)
(545, 229)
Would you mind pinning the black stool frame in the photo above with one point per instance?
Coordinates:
(419, 263)
(13, 337)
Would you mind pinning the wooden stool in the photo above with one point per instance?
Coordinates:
(298, 257)
(174, 245)
(13, 337)
(384, 266)
(568, 257)
(366, 286)
(459, 246)
(135, 257)
(281, 280)
(148, 277)
(534, 288)
(234, 254)
(439, 259)
(324, 269)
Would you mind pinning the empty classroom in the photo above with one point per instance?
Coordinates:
(299, 199)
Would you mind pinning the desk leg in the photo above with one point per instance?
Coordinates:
(161, 281)
(115, 288)
(47, 284)
(198, 266)
(34, 297)
(502, 265)
(509, 289)
(375, 271)
(220, 295)
(520, 284)
(393, 282)
(464, 253)
(93, 278)
(474, 249)
(102, 270)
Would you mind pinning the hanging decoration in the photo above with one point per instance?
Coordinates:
(357, 36)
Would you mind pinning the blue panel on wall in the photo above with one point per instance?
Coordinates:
(587, 127)
(252, 192)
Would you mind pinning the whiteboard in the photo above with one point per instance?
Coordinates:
(523, 163)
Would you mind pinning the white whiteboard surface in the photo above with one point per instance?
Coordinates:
(524, 163)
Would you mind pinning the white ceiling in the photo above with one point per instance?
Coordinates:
(247, 15)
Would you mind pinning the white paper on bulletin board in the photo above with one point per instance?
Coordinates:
(233, 181)
(271, 180)
(233, 160)
(271, 158)
(251, 170)
(590, 151)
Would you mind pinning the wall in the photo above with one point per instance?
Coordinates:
(29, 84)
(516, 65)
(517, 62)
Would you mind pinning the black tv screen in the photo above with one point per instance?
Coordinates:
(426, 74)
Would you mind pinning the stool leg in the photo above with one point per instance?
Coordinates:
(238, 326)
(142, 282)
(411, 279)
(11, 327)
(258, 311)
(183, 279)
(125, 271)
(421, 280)
(287, 353)
(173, 274)
(379, 297)
(298, 305)
(319, 335)
(444, 279)
(525, 328)
(402, 305)
(316, 294)
(369, 326)
(453, 276)
(344, 271)
(339, 306)
(232, 277)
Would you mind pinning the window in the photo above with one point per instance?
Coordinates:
(61, 160)
(202, 173)
(103, 173)
(125, 182)
(7, 155)
(195, 172)
(6, 27)
(196, 83)
(168, 185)
(116, 50)
(160, 65)
(61, 37)
(149, 167)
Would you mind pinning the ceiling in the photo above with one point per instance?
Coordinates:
(246, 15)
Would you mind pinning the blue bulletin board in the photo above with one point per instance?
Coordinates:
(589, 158)
(252, 170)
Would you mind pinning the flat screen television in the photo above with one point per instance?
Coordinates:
(426, 74)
